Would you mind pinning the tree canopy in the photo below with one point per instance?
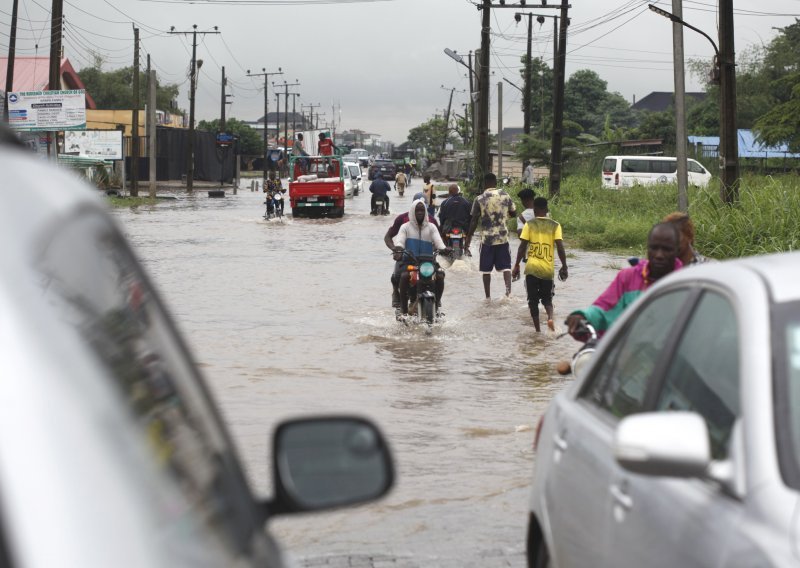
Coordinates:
(113, 90)
(249, 140)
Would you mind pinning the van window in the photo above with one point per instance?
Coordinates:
(696, 168)
(610, 165)
(663, 166)
(635, 166)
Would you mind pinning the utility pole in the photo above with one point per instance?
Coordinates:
(558, 103)
(266, 110)
(499, 129)
(472, 89)
(447, 120)
(151, 126)
(192, 88)
(54, 83)
(294, 113)
(729, 135)
(286, 109)
(526, 98)
(12, 49)
(311, 113)
(483, 88)
(680, 108)
(135, 118)
(223, 100)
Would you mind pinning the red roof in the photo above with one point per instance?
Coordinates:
(33, 73)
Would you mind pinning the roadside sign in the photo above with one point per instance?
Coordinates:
(47, 110)
(100, 144)
(224, 139)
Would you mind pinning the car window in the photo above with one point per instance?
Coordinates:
(619, 383)
(609, 164)
(703, 374)
(99, 289)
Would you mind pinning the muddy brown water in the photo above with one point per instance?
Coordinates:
(293, 317)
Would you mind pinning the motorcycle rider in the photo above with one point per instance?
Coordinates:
(419, 237)
(455, 211)
(400, 261)
(379, 189)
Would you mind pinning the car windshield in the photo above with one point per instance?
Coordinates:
(786, 355)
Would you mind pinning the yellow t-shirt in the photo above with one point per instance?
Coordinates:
(541, 234)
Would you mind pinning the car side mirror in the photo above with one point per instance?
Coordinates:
(323, 463)
(667, 443)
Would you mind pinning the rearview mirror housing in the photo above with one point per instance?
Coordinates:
(328, 462)
(670, 444)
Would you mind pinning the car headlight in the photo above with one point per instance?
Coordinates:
(426, 269)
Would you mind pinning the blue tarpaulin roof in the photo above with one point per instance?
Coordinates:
(749, 147)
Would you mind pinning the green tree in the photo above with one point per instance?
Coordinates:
(113, 90)
(541, 96)
(429, 136)
(587, 102)
(250, 142)
(658, 125)
(781, 122)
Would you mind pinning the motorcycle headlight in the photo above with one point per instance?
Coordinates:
(426, 269)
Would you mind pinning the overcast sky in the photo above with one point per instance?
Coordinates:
(380, 61)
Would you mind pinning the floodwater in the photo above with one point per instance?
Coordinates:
(293, 317)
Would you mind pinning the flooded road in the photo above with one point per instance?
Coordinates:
(293, 317)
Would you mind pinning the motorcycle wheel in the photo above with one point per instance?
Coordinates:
(427, 310)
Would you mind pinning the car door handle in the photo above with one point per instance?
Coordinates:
(560, 443)
(622, 498)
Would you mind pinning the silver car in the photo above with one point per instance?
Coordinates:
(680, 444)
(112, 452)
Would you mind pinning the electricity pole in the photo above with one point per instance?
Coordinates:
(286, 109)
(526, 127)
(311, 113)
(680, 108)
(483, 88)
(151, 126)
(135, 118)
(558, 104)
(12, 49)
(192, 88)
(294, 109)
(729, 139)
(500, 129)
(266, 110)
(447, 119)
(54, 83)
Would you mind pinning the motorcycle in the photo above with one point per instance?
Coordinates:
(422, 272)
(380, 207)
(455, 238)
(587, 334)
(274, 205)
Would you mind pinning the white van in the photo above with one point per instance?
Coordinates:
(625, 171)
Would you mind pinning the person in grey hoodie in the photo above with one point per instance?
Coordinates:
(419, 237)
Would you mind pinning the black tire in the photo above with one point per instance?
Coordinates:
(296, 212)
(428, 310)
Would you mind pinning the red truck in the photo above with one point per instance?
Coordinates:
(316, 186)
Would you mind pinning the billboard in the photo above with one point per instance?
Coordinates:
(100, 144)
(47, 110)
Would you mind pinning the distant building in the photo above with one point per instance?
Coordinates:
(512, 134)
(749, 147)
(659, 101)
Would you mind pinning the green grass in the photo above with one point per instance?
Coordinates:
(765, 219)
(118, 201)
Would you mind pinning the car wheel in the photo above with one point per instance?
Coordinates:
(537, 553)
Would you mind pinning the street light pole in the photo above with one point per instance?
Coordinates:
(725, 59)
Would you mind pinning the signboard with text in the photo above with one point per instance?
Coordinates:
(100, 144)
(47, 110)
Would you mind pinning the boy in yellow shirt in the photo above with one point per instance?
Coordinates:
(540, 237)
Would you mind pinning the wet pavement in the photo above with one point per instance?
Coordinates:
(292, 317)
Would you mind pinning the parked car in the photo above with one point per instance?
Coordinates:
(112, 451)
(680, 444)
(625, 171)
(385, 167)
(355, 174)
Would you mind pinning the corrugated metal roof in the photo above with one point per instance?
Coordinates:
(33, 74)
(749, 146)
